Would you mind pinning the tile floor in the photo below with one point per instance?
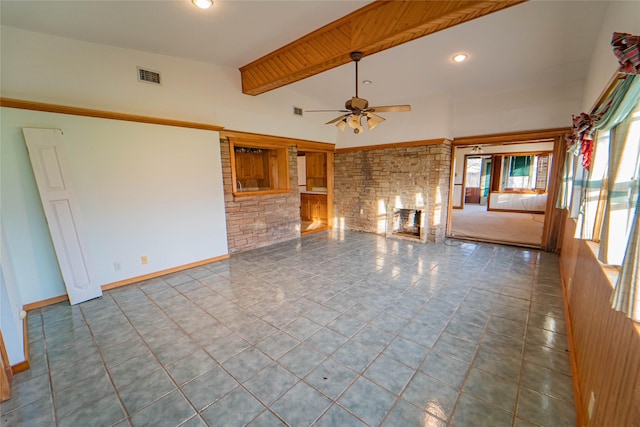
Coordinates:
(334, 329)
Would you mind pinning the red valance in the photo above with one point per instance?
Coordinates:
(626, 47)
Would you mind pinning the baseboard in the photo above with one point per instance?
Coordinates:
(515, 211)
(106, 287)
(577, 397)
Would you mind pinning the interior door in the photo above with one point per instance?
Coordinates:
(49, 163)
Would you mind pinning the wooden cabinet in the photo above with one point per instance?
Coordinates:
(313, 207)
(249, 166)
(316, 165)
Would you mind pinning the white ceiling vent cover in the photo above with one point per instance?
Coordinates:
(148, 76)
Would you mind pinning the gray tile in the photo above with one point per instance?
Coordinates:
(301, 360)
(544, 410)
(301, 328)
(473, 412)
(82, 370)
(195, 421)
(406, 415)
(176, 350)
(389, 322)
(547, 357)
(81, 394)
(133, 369)
(492, 389)
(277, 344)
(38, 413)
(106, 411)
(146, 390)
(374, 338)
(367, 401)
(346, 325)
(271, 383)
(301, 405)
(337, 416)
(235, 409)
(187, 368)
(227, 347)
(120, 353)
(321, 315)
(326, 341)
(547, 381)
(388, 373)
(266, 419)
(172, 409)
(455, 347)
(330, 378)
(445, 368)
(354, 356)
(209, 387)
(423, 335)
(246, 364)
(407, 352)
(29, 391)
(436, 397)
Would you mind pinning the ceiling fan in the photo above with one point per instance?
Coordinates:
(357, 108)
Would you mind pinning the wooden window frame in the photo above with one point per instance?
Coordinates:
(282, 186)
(496, 181)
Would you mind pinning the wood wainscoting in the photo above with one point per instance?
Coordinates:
(605, 344)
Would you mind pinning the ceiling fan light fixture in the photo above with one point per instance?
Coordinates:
(342, 124)
(203, 4)
(460, 57)
(373, 120)
(354, 121)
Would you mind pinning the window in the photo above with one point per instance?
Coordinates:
(258, 168)
(525, 172)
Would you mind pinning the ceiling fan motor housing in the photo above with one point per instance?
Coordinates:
(354, 104)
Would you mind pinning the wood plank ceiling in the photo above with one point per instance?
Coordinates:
(378, 26)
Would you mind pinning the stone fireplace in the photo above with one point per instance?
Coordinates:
(407, 223)
(399, 192)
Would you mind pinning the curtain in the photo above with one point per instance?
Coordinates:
(626, 295)
(616, 195)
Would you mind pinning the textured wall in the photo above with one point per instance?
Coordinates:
(370, 184)
(256, 221)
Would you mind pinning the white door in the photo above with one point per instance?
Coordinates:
(49, 163)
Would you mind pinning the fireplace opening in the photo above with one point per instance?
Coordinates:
(406, 222)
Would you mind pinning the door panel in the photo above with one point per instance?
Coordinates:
(57, 193)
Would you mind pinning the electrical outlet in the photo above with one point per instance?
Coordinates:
(592, 405)
(144, 259)
(361, 211)
(116, 266)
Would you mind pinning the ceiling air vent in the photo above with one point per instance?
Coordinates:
(297, 111)
(148, 76)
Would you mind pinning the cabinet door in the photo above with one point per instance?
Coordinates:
(244, 166)
(257, 166)
(322, 208)
(316, 165)
(305, 215)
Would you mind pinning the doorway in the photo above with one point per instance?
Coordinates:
(313, 178)
(477, 179)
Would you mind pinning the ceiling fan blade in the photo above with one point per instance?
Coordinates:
(390, 109)
(326, 111)
(337, 119)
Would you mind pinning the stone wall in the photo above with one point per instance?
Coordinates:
(256, 221)
(370, 184)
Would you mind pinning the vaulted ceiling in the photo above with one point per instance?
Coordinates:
(525, 45)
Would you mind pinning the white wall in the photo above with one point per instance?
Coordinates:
(56, 70)
(142, 190)
(10, 306)
(621, 17)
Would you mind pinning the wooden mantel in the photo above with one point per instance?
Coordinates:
(376, 27)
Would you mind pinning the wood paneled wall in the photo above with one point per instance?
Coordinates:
(605, 343)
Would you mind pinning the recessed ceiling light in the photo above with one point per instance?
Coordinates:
(366, 82)
(460, 57)
(203, 4)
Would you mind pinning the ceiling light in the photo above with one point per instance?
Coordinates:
(460, 57)
(342, 124)
(203, 4)
(354, 121)
(373, 120)
(476, 149)
(366, 82)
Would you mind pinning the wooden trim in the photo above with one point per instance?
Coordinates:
(20, 367)
(554, 219)
(45, 302)
(514, 211)
(394, 145)
(575, 376)
(375, 27)
(450, 205)
(259, 193)
(106, 287)
(498, 242)
(25, 342)
(316, 146)
(76, 111)
(161, 273)
(330, 189)
(315, 230)
(531, 136)
(6, 372)
(611, 85)
(275, 141)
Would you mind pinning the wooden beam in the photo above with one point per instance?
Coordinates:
(376, 27)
